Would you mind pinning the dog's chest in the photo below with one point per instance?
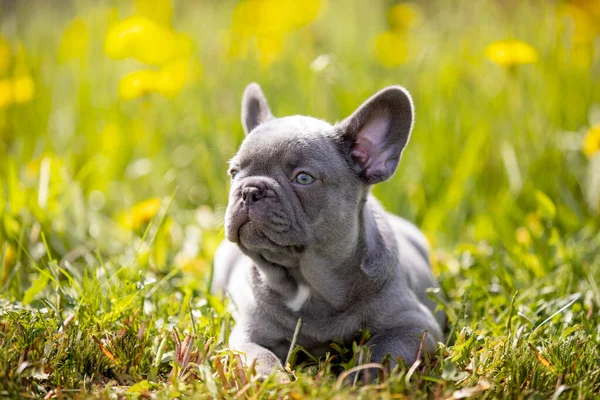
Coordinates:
(320, 324)
(299, 299)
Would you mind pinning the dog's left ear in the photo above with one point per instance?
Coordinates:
(377, 132)
(255, 109)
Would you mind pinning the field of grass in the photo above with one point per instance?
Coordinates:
(116, 122)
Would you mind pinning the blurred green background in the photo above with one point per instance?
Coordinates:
(110, 109)
(117, 119)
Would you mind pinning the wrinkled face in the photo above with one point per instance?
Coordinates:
(298, 183)
(291, 187)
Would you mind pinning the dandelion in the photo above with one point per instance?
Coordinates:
(404, 16)
(391, 46)
(10, 257)
(110, 138)
(391, 49)
(143, 39)
(591, 141)
(509, 53)
(268, 23)
(74, 41)
(523, 236)
(534, 224)
(582, 28)
(6, 93)
(23, 89)
(137, 84)
(172, 78)
(141, 213)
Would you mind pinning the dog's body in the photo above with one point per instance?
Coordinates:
(306, 238)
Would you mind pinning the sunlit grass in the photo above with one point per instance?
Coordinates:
(116, 122)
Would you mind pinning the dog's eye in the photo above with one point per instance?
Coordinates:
(233, 172)
(304, 179)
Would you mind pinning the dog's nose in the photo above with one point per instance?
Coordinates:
(253, 193)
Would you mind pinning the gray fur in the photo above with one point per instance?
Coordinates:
(364, 268)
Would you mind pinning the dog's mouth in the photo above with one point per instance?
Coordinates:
(263, 240)
(254, 235)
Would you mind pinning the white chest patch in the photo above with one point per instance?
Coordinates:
(301, 297)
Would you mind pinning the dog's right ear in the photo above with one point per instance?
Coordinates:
(255, 109)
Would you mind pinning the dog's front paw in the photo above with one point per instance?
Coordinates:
(279, 375)
(266, 365)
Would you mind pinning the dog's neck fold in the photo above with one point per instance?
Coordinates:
(339, 271)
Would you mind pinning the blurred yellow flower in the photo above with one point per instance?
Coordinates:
(168, 81)
(582, 29)
(110, 138)
(146, 41)
(591, 6)
(160, 11)
(23, 89)
(534, 224)
(268, 23)
(509, 53)
(10, 257)
(304, 12)
(391, 49)
(74, 41)
(171, 78)
(269, 48)
(122, 37)
(4, 56)
(591, 141)
(523, 236)
(404, 16)
(141, 213)
(6, 93)
(137, 84)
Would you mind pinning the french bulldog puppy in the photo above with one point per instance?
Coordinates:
(305, 238)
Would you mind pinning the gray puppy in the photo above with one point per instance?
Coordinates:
(305, 238)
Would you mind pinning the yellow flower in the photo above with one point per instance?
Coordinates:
(137, 84)
(305, 12)
(122, 37)
(171, 79)
(17, 90)
(10, 257)
(146, 41)
(111, 138)
(269, 22)
(583, 27)
(141, 213)
(74, 41)
(6, 93)
(522, 235)
(23, 89)
(390, 49)
(4, 56)
(534, 224)
(269, 48)
(404, 16)
(509, 53)
(591, 141)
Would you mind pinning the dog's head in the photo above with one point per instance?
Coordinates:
(298, 181)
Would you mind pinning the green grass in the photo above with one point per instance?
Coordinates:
(102, 296)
